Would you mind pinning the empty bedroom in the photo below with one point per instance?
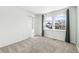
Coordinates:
(39, 29)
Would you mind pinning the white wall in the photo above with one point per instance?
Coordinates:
(60, 35)
(73, 24)
(38, 25)
(15, 25)
(78, 27)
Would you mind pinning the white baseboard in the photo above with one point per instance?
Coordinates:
(14, 42)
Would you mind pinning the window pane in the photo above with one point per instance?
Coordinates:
(48, 23)
(59, 22)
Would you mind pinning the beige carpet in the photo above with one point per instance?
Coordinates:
(40, 45)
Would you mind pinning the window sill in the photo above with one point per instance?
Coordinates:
(54, 30)
(58, 30)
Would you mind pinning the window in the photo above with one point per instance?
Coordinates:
(48, 23)
(59, 22)
(56, 22)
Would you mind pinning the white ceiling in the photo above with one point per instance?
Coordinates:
(42, 9)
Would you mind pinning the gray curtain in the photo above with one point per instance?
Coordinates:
(67, 37)
(42, 25)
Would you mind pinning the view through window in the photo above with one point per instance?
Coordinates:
(57, 22)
